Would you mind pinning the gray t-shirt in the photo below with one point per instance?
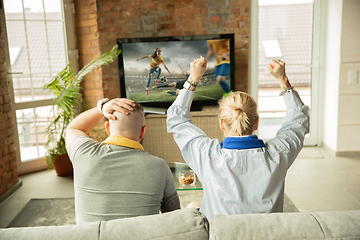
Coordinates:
(112, 181)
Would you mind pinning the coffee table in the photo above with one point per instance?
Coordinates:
(175, 168)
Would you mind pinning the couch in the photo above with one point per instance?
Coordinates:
(188, 224)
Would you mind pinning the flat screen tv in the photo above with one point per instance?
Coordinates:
(160, 90)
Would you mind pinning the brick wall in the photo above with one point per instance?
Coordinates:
(8, 169)
(101, 22)
(86, 24)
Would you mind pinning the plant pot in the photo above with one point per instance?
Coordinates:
(63, 165)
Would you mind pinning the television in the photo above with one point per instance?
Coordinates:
(159, 91)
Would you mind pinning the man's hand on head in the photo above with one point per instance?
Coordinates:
(121, 105)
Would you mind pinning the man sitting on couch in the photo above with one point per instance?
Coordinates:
(117, 178)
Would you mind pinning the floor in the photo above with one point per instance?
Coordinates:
(316, 181)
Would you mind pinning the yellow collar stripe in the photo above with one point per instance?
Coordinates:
(122, 141)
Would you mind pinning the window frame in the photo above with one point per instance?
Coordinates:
(314, 139)
(71, 55)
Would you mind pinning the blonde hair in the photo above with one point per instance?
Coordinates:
(239, 112)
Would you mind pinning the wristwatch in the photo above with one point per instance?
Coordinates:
(190, 85)
(100, 103)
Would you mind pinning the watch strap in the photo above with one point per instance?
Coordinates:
(100, 104)
(190, 85)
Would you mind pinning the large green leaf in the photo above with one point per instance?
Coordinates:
(59, 82)
(104, 59)
(68, 102)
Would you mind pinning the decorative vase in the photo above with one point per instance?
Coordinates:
(63, 165)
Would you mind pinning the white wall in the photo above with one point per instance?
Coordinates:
(342, 100)
(349, 94)
(330, 64)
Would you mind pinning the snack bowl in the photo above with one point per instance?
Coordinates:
(187, 178)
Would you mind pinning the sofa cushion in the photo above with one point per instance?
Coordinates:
(89, 231)
(339, 224)
(322, 225)
(181, 224)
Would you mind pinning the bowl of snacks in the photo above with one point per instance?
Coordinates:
(187, 178)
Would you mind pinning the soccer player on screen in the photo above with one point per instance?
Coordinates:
(177, 85)
(184, 72)
(222, 60)
(154, 67)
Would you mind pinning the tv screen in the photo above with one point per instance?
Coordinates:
(153, 70)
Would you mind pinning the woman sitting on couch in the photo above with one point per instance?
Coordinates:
(241, 174)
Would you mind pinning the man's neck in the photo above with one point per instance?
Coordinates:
(123, 141)
(125, 136)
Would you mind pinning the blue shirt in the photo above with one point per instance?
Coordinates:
(239, 181)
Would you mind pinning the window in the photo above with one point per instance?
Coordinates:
(271, 49)
(38, 47)
(284, 29)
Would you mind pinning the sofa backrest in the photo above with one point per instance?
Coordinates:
(88, 231)
(321, 225)
(182, 224)
(177, 225)
(189, 224)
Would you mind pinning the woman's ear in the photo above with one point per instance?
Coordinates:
(107, 127)
(222, 126)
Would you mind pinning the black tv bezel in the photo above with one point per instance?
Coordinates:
(197, 104)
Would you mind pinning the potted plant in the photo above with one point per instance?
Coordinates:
(66, 106)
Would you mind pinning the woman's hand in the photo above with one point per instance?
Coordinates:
(277, 68)
(197, 69)
(121, 105)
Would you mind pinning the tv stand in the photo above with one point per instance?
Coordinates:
(161, 144)
(156, 110)
(196, 108)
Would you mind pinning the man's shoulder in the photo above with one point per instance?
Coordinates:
(80, 144)
(82, 140)
(138, 153)
(153, 160)
(153, 157)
